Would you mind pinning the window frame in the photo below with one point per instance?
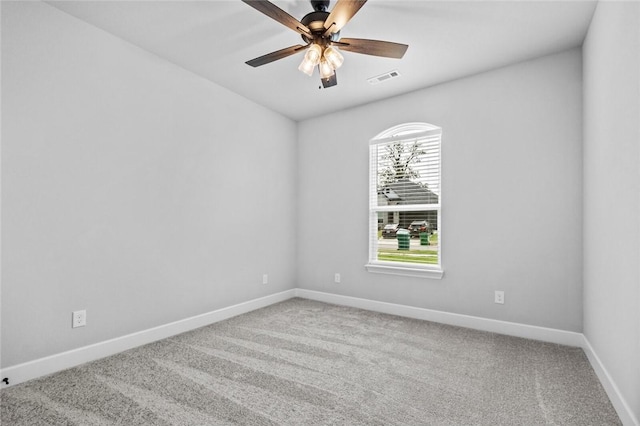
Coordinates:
(403, 132)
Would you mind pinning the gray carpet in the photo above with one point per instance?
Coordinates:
(302, 362)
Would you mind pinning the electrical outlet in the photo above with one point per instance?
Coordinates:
(265, 278)
(499, 297)
(79, 319)
(336, 278)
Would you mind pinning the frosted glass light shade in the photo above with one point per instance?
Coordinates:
(333, 56)
(311, 59)
(306, 67)
(314, 53)
(326, 70)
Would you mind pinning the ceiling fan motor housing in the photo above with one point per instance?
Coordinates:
(315, 22)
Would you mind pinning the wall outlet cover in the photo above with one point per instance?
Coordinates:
(79, 319)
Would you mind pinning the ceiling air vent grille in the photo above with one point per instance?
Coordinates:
(383, 77)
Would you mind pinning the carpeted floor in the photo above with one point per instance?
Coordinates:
(302, 362)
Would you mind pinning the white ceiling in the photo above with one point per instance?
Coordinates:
(447, 40)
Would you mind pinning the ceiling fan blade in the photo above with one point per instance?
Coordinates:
(341, 13)
(386, 49)
(329, 82)
(274, 56)
(274, 12)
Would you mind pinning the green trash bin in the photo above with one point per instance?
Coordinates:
(403, 238)
(424, 238)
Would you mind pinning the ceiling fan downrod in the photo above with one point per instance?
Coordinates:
(320, 5)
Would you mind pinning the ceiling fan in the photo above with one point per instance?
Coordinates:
(320, 30)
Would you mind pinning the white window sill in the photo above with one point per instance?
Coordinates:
(395, 268)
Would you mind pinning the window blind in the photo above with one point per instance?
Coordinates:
(405, 195)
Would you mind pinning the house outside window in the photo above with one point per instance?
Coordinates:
(404, 201)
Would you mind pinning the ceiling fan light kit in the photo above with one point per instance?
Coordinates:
(320, 29)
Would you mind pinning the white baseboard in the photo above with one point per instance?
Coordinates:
(544, 334)
(54, 363)
(58, 362)
(617, 400)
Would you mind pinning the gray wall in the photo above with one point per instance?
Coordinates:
(612, 193)
(512, 195)
(134, 189)
(131, 188)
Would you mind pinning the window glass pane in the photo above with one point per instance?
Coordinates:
(408, 172)
(408, 237)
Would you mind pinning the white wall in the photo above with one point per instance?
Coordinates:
(612, 194)
(131, 188)
(512, 195)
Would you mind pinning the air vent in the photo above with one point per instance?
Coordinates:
(383, 77)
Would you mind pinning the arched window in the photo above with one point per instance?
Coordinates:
(404, 201)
